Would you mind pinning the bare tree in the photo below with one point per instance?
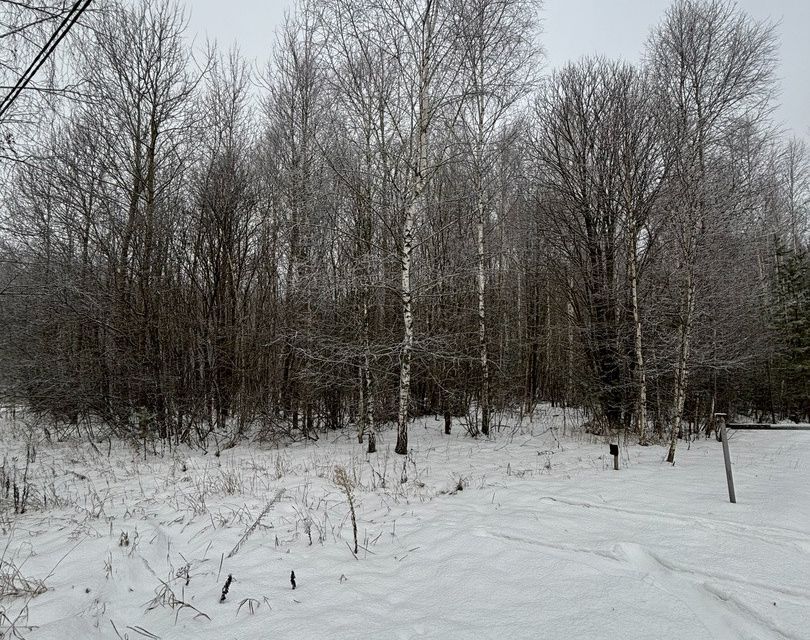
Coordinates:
(581, 185)
(360, 86)
(643, 169)
(294, 111)
(416, 36)
(396, 229)
(713, 65)
(223, 232)
(498, 58)
(795, 168)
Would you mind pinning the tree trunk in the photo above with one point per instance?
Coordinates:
(361, 418)
(482, 327)
(366, 383)
(407, 341)
(427, 45)
(682, 366)
(641, 375)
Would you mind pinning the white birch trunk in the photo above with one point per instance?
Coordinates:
(361, 417)
(641, 374)
(366, 386)
(569, 311)
(482, 325)
(682, 366)
(412, 209)
(407, 318)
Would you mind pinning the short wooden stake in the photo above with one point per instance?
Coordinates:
(721, 417)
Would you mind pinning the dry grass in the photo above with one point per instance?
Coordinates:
(13, 584)
(15, 627)
(166, 597)
(346, 484)
(255, 524)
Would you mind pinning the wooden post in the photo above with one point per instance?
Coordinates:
(721, 417)
(614, 451)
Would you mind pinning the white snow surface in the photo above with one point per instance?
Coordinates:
(545, 540)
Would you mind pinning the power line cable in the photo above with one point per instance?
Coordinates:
(61, 31)
(11, 96)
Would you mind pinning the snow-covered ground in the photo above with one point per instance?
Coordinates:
(543, 540)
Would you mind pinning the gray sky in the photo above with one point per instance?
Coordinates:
(571, 28)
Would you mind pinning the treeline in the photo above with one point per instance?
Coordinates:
(399, 216)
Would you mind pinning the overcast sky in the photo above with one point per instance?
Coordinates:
(571, 28)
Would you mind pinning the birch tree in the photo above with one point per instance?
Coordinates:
(393, 232)
(712, 65)
(361, 86)
(643, 168)
(498, 56)
(794, 166)
(417, 38)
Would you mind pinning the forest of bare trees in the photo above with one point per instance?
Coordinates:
(401, 213)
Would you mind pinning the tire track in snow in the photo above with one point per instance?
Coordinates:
(789, 591)
(765, 621)
(771, 535)
(684, 584)
(698, 595)
(721, 576)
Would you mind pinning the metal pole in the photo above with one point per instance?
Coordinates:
(726, 456)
